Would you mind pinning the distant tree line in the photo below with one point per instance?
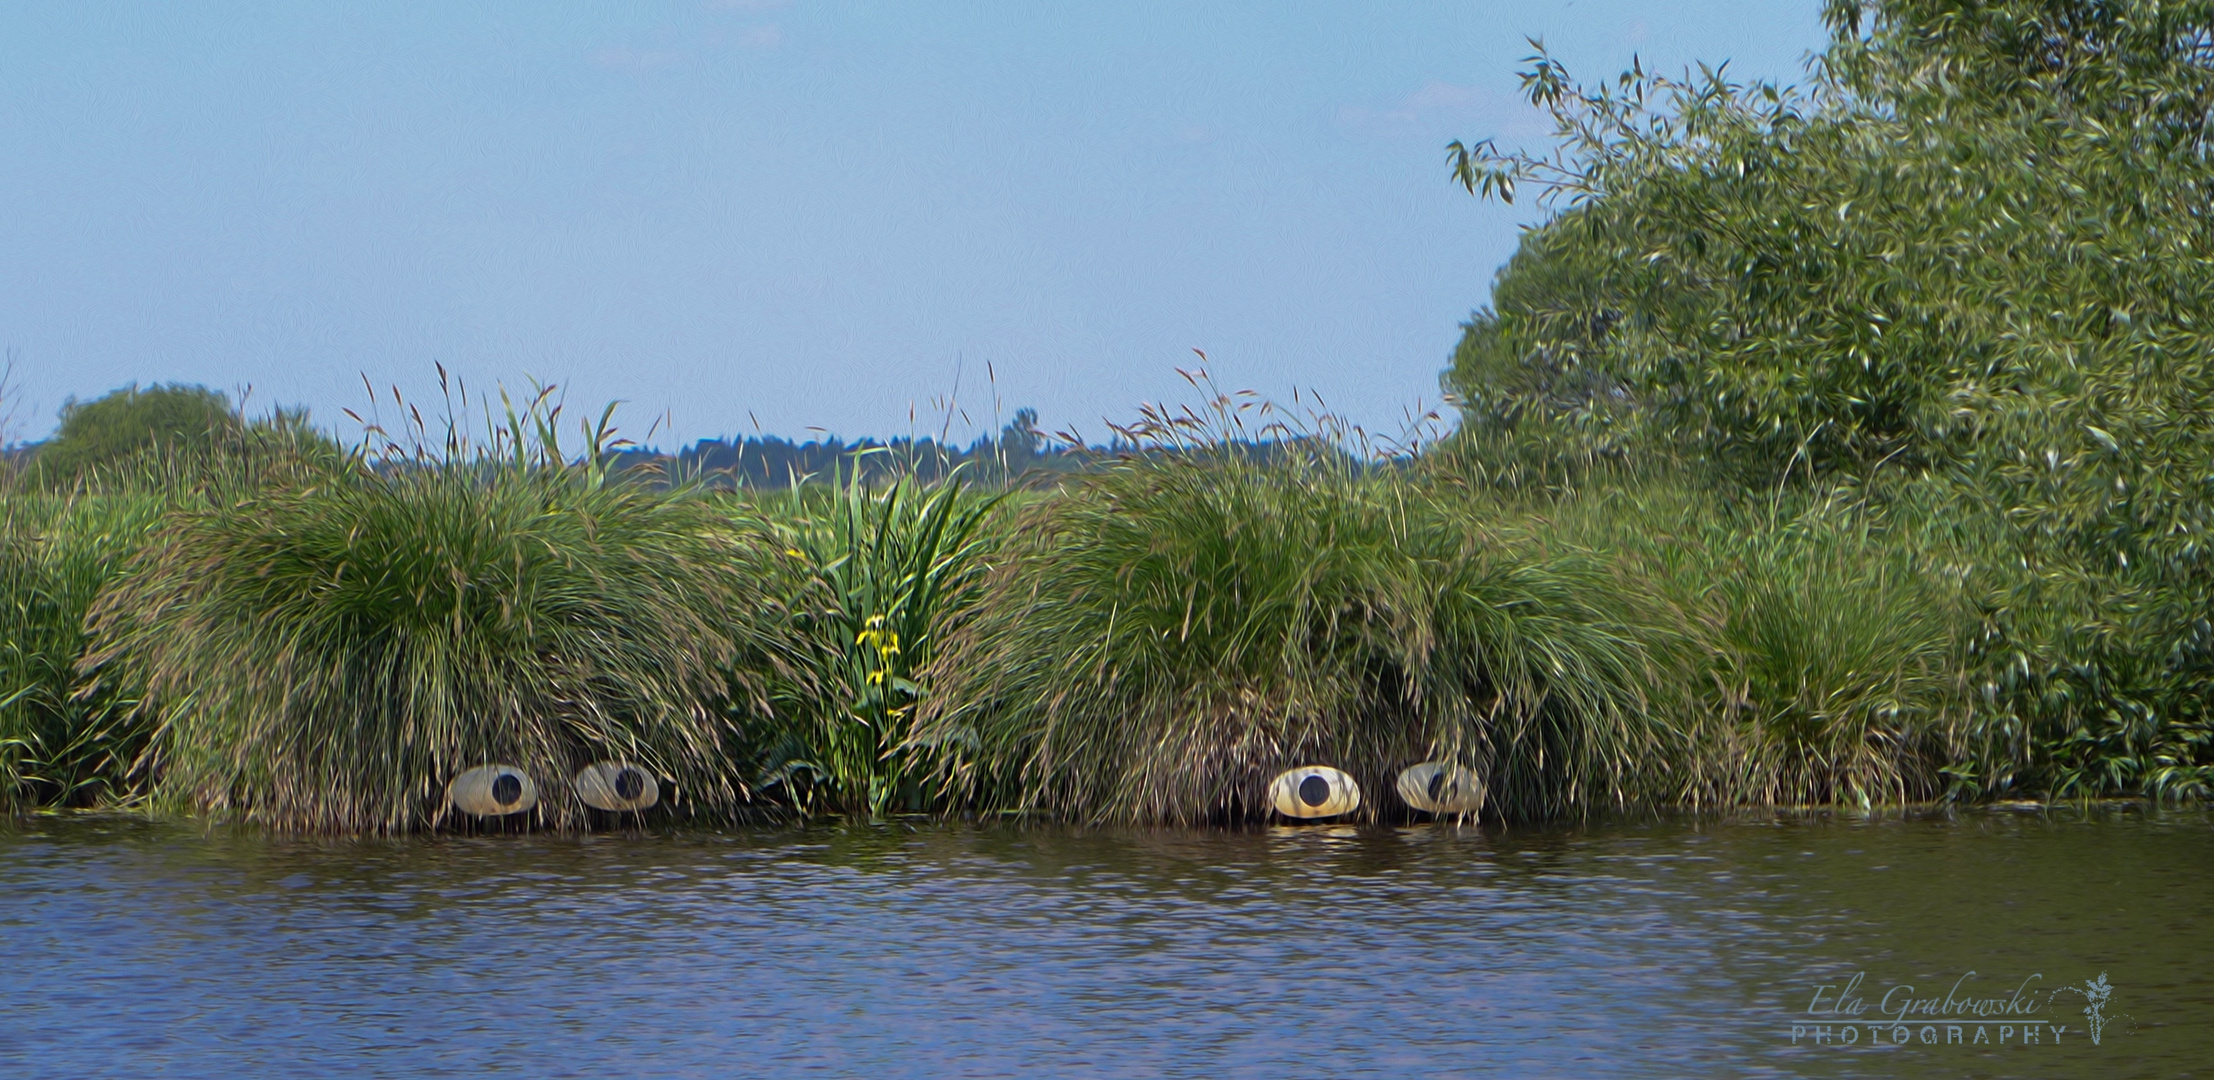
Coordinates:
(1022, 455)
(768, 462)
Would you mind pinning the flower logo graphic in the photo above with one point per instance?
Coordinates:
(2095, 994)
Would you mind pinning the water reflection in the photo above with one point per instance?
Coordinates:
(1648, 947)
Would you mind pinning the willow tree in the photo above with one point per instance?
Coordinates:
(1970, 254)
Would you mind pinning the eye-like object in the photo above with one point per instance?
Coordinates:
(493, 791)
(1314, 791)
(616, 787)
(1441, 787)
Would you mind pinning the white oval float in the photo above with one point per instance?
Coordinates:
(617, 787)
(1440, 787)
(493, 791)
(1314, 791)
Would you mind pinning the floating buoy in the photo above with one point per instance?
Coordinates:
(1442, 788)
(1314, 791)
(616, 787)
(493, 791)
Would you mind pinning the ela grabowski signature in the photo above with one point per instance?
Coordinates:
(1842, 1014)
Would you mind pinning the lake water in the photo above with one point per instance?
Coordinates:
(1667, 947)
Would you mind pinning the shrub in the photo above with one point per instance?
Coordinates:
(125, 423)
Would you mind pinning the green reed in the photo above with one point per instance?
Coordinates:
(57, 552)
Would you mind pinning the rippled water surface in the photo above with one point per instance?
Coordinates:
(1653, 948)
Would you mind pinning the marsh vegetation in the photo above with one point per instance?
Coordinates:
(1839, 444)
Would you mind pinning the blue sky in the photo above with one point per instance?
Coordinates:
(801, 215)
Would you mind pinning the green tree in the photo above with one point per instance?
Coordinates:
(1977, 212)
(130, 421)
(1973, 255)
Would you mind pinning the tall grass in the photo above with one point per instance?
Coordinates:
(57, 552)
(1833, 640)
(1841, 674)
(327, 655)
(1165, 637)
(61, 545)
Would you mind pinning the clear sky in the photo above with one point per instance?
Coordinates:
(798, 214)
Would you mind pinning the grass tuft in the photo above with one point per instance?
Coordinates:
(1168, 635)
(326, 656)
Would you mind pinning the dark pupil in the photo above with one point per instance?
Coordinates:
(628, 784)
(507, 789)
(1314, 791)
(1437, 783)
